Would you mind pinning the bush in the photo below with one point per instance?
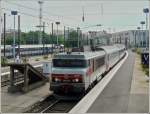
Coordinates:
(45, 57)
(147, 72)
(145, 68)
(4, 61)
(25, 59)
(37, 59)
(138, 51)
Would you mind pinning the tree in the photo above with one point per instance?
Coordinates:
(72, 40)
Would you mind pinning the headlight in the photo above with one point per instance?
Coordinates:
(75, 80)
(57, 80)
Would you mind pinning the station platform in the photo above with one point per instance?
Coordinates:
(19, 102)
(126, 92)
(119, 95)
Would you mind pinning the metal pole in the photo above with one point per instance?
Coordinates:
(64, 39)
(146, 21)
(135, 38)
(146, 35)
(14, 41)
(68, 37)
(78, 36)
(19, 35)
(52, 38)
(141, 33)
(4, 32)
(87, 39)
(43, 39)
(40, 21)
(57, 34)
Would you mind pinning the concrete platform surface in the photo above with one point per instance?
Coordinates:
(138, 101)
(120, 96)
(18, 102)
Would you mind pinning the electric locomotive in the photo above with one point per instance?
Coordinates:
(76, 72)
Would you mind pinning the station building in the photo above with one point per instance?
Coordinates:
(132, 38)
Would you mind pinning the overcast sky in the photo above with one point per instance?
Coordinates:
(114, 15)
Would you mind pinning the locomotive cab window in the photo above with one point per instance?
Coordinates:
(69, 63)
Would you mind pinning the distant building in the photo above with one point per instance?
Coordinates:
(100, 37)
(132, 38)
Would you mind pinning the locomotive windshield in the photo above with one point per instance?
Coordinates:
(69, 63)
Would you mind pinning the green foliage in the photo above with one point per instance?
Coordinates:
(4, 61)
(25, 60)
(145, 68)
(138, 51)
(45, 57)
(31, 37)
(37, 59)
(72, 41)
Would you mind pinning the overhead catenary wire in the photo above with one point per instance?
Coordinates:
(36, 16)
(47, 13)
(48, 19)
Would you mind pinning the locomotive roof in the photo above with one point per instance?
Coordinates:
(79, 55)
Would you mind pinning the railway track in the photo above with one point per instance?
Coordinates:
(60, 106)
(52, 105)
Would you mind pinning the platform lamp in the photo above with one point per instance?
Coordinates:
(146, 11)
(138, 28)
(142, 24)
(14, 13)
(78, 29)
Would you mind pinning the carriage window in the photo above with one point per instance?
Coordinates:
(69, 63)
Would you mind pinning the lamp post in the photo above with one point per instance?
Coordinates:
(142, 24)
(57, 23)
(64, 38)
(138, 28)
(4, 32)
(78, 35)
(146, 11)
(14, 41)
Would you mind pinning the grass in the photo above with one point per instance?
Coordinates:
(4, 61)
(37, 59)
(145, 69)
(25, 60)
(138, 51)
(45, 57)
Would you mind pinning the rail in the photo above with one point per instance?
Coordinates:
(52, 105)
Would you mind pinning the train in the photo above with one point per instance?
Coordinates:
(77, 72)
(30, 50)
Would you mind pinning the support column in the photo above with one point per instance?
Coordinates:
(12, 88)
(26, 79)
(11, 77)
